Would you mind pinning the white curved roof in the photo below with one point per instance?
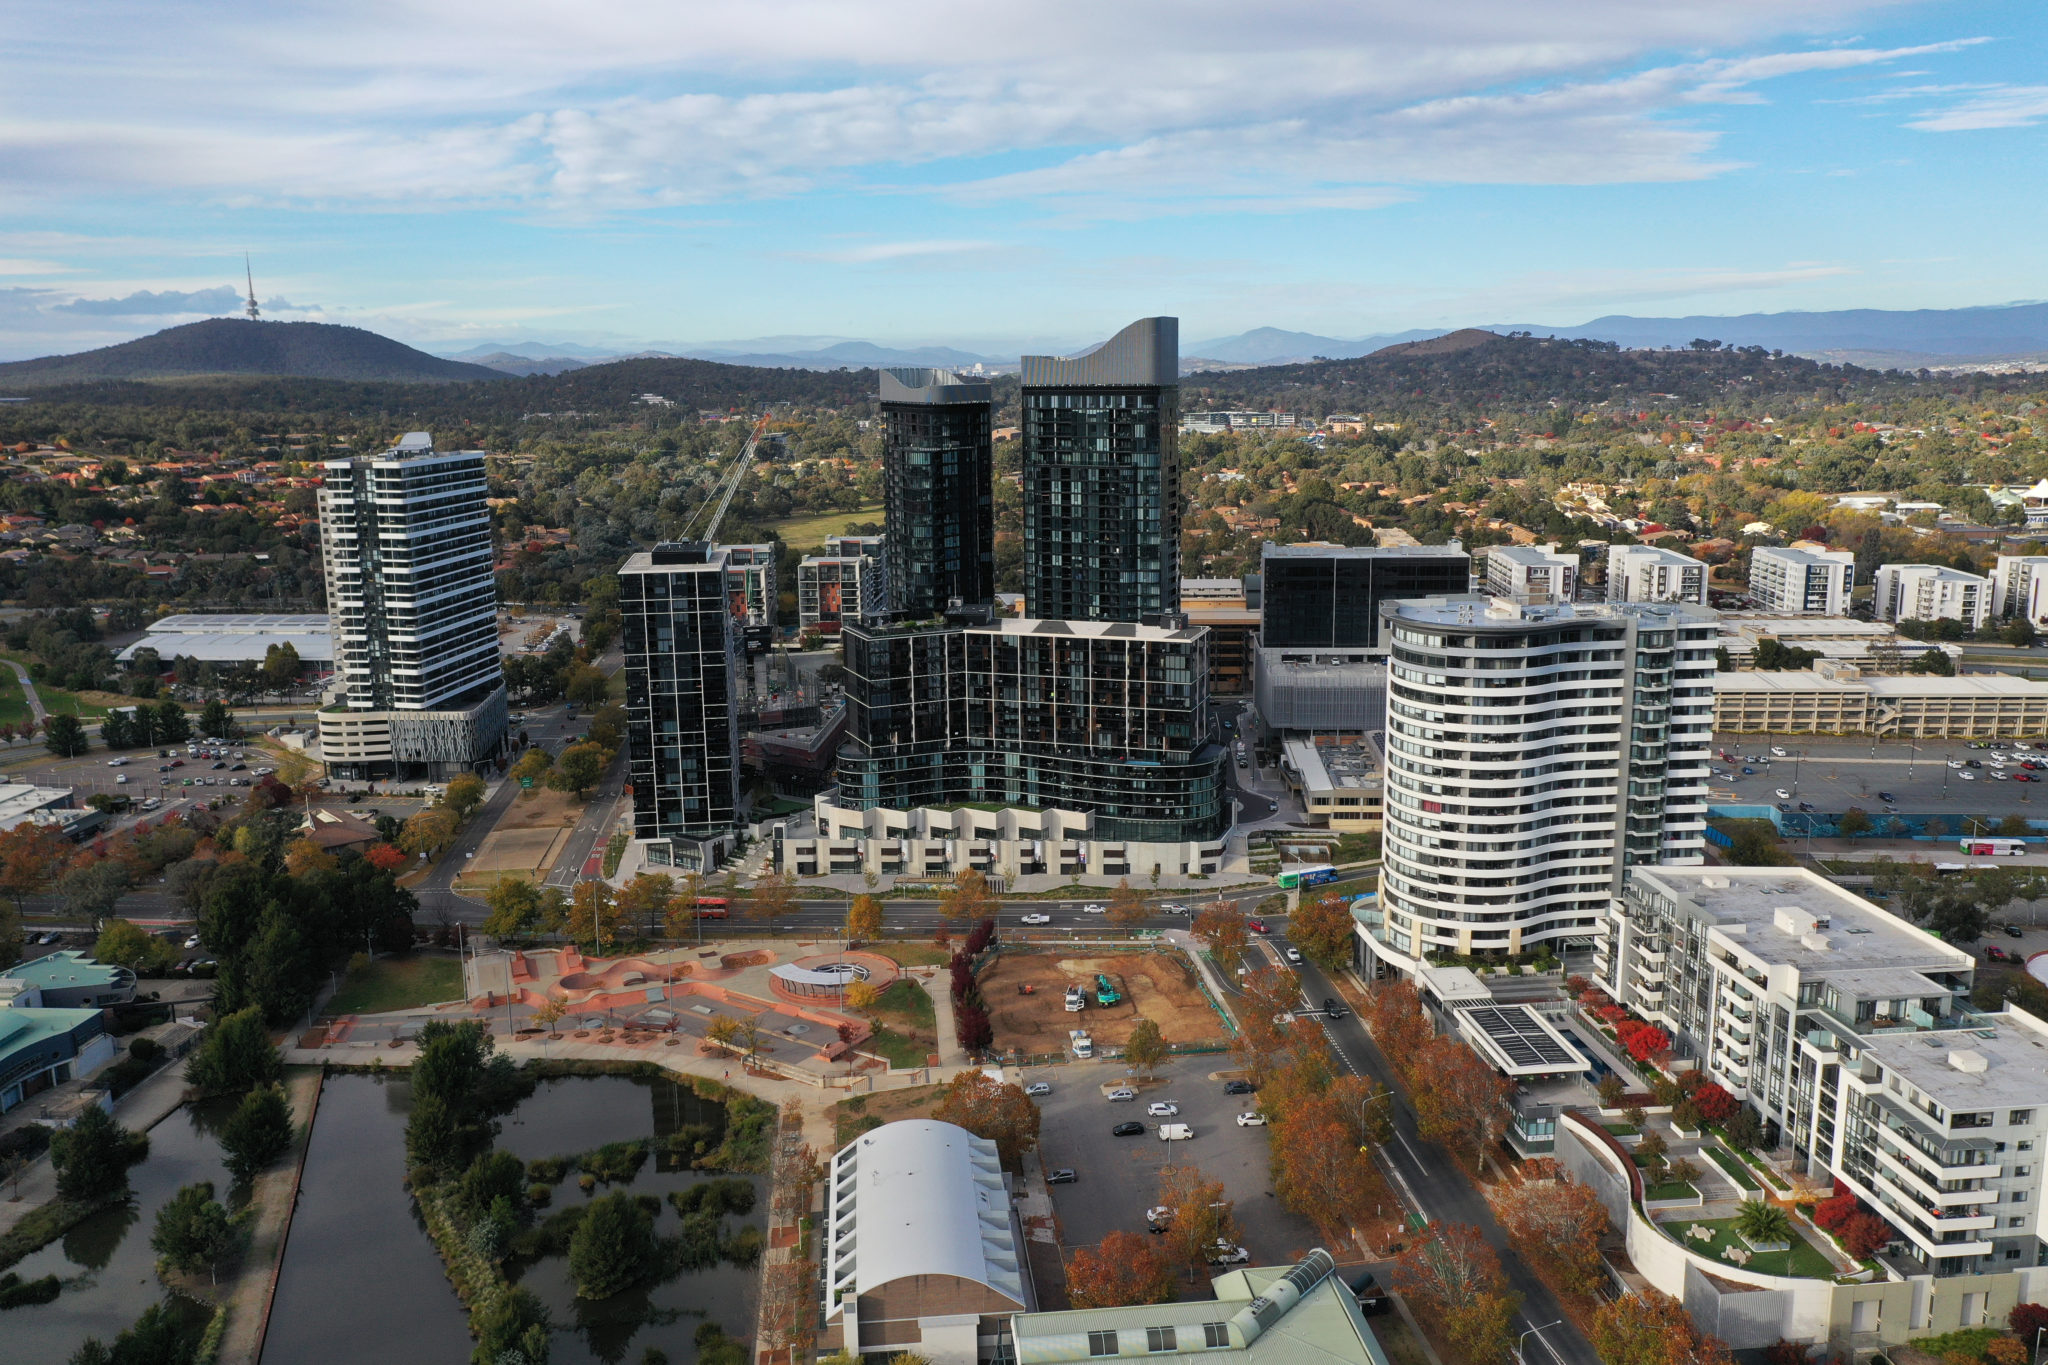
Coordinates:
(920, 1197)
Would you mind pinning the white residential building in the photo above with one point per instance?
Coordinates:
(1651, 573)
(1851, 1034)
(1531, 574)
(405, 542)
(1531, 754)
(1801, 582)
(846, 583)
(2019, 589)
(1931, 592)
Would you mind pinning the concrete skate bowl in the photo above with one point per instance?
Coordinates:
(823, 978)
(624, 974)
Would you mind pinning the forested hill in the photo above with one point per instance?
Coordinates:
(1473, 370)
(236, 346)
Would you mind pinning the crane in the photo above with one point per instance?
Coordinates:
(731, 484)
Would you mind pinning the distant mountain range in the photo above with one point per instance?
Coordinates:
(235, 346)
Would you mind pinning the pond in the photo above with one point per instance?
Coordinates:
(356, 1239)
(106, 1264)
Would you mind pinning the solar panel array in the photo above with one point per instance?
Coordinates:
(1521, 1038)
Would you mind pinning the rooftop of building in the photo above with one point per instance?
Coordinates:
(1333, 664)
(19, 800)
(1941, 571)
(1776, 914)
(414, 445)
(1323, 549)
(1480, 610)
(1911, 685)
(231, 638)
(2001, 1065)
(1660, 553)
(1146, 353)
(1531, 554)
(674, 556)
(1335, 767)
(66, 969)
(1265, 1313)
(1808, 554)
(913, 384)
(22, 1027)
(1758, 624)
(921, 1197)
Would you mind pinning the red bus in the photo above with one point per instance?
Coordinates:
(713, 907)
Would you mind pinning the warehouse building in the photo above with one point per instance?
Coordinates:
(237, 639)
(1842, 699)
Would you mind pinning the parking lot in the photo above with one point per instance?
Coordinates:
(1836, 774)
(1118, 1177)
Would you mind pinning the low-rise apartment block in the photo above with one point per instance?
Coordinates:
(1931, 592)
(1842, 699)
(1651, 573)
(2019, 589)
(846, 583)
(1531, 575)
(1799, 581)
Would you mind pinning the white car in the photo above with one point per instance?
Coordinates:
(1038, 1088)
(192, 942)
(1161, 1109)
(1094, 909)
(1967, 775)
(1955, 763)
(1123, 1093)
(117, 763)
(1251, 1119)
(1173, 909)
(1777, 751)
(1223, 1253)
(1294, 957)
(1038, 919)
(1784, 795)
(1159, 1214)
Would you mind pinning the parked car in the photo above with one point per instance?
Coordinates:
(1251, 1118)
(1955, 763)
(1967, 775)
(1063, 1176)
(1123, 1092)
(1784, 795)
(1223, 1253)
(1038, 919)
(1806, 806)
(1038, 1088)
(1175, 1132)
(1127, 1130)
(1159, 1215)
(1785, 806)
(1778, 751)
(192, 942)
(1886, 797)
(1996, 954)
(1161, 1109)
(2012, 931)
(1239, 1088)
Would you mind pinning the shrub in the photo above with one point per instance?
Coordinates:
(539, 1195)
(2027, 1319)
(1715, 1104)
(1611, 1090)
(15, 1292)
(1832, 1213)
(1759, 1220)
(1864, 1235)
(613, 1247)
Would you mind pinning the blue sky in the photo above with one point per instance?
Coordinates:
(996, 176)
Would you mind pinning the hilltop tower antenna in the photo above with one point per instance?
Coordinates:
(250, 275)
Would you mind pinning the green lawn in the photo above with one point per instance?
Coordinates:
(398, 983)
(1737, 1172)
(910, 954)
(909, 1002)
(13, 705)
(1670, 1189)
(1620, 1130)
(806, 532)
(1804, 1260)
(900, 1050)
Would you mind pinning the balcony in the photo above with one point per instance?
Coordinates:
(1952, 1162)
(1903, 1175)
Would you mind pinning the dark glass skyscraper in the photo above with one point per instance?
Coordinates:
(682, 738)
(1328, 596)
(1102, 478)
(938, 490)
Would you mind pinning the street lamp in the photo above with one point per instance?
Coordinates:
(1534, 1332)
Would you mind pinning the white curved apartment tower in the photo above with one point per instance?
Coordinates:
(1533, 752)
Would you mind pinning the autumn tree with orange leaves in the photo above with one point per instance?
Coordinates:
(1459, 1100)
(1393, 1013)
(1222, 928)
(1554, 1220)
(1649, 1328)
(1122, 1271)
(1453, 1278)
(1319, 1171)
(1199, 1214)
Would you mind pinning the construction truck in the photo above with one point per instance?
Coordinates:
(1080, 1044)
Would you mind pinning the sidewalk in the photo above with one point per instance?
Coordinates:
(939, 986)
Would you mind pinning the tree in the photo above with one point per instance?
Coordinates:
(1759, 1220)
(864, 919)
(384, 857)
(31, 857)
(532, 766)
(429, 831)
(65, 737)
(464, 794)
(1854, 821)
(862, 997)
(613, 1248)
(1459, 1100)
(1451, 1273)
(587, 686)
(1934, 662)
(608, 726)
(682, 907)
(1323, 930)
(1557, 1220)
(773, 897)
(118, 730)
(170, 723)
(1222, 929)
(515, 905)
(1320, 1173)
(192, 1229)
(304, 858)
(235, 1054)
(1715, 1104)
(2026, 1319)
(990, 1109)
(122, 944)
(594, 916)
(280, 666)
(1652, 1328)
(1864, 1234)
(1200, 1213)
(644, 901)
(1122, 1271)
(969, 899)
(258, 1132)
(93, 1155)
(1127, 908)
(578, 769)
(1745, 1130)
(1146, 1048)
(215, 720)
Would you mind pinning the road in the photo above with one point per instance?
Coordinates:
(1432, 1183)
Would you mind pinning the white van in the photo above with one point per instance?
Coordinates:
(1175, 1132)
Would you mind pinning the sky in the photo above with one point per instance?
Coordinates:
(665, 173)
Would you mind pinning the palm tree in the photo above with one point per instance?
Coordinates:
(1760, 1221)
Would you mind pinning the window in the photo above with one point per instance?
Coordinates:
(2019, 1196)
(1160, 1339)
(2023, 1170)
(2019, 1118)
(1102, 1343)
(2015, 1222)
(1215, 1334)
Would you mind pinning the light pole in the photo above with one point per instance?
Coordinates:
(1534, 1332)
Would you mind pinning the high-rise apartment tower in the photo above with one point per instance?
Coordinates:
(938, 486)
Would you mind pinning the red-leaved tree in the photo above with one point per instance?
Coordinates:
(1715, 1104)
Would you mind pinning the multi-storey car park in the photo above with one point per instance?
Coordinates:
(1852, 1035)
(1533, 752)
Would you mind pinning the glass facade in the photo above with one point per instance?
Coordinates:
(682, 731)
(1319, 597)
(1101, 502)
(938, 480)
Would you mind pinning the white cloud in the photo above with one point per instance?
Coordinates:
(1145, 106)
(2012, 106)
(872, 252)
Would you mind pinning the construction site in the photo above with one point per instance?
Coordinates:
(1028, 994)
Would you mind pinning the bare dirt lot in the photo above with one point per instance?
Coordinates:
(541, 809)
(1155, 986)
(518, 850)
